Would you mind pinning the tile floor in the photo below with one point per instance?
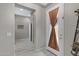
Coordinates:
(35, 53)
(24, 47)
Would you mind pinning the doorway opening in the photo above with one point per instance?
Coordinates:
(24, 39)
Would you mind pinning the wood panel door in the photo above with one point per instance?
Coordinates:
(53, 20)
(55, 29)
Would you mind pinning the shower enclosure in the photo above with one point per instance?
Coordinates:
(24, 41)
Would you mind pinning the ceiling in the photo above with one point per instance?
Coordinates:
(43, 4)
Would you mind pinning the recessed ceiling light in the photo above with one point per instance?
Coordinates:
(21, 9)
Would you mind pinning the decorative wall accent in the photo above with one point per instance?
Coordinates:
(20, 26)
(53, 20)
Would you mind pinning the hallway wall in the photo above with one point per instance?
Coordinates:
(7, 29)
(70, 26)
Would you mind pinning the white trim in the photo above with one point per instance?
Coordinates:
(29, 31)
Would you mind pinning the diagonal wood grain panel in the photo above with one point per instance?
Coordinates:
(53, 19)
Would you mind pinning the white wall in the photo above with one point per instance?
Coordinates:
(70, 26)
(7, 28)
(22, 33)
(39, 24)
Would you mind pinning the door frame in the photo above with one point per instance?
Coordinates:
(31, 25)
